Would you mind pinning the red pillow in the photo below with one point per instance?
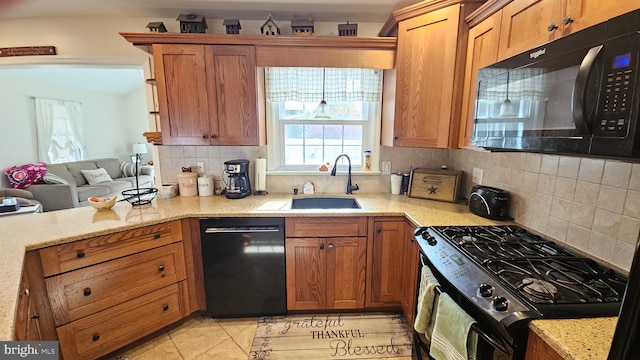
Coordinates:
(22, 176)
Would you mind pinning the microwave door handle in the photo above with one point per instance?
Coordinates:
(580, 88)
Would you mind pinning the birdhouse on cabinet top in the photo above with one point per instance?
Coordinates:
(347, 29)
(270, 27)
(302, 27)
(192, 23)
(232, 25)
(156, 27)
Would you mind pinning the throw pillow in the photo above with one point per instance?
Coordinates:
(22, 176)
(96, 176)
(129, 169)
(50, 178)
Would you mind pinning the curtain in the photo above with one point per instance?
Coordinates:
(314, 84)
(58, 126)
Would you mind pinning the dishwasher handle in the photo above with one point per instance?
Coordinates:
(241, 229)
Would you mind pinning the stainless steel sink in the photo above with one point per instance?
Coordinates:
(324, 203)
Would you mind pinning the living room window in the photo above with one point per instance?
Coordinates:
(58, 125)
(316, 114)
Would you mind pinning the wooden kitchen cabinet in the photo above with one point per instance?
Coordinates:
(409, 297)
(429, 73)
(385, 261)
(538, 349)
(527, 24)
(34, 321)
(110, 290)
(207, 94)
(392, 265)
(482, 50)
(326, 263)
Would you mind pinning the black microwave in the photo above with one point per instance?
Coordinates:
(578, 95)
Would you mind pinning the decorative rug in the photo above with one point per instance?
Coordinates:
(331, 336)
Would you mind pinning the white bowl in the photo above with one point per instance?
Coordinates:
(100, 203)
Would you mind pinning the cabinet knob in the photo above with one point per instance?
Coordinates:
(86, 292)
(35, 316)
(378, 230)
(395, 137)
(95, 337)
(165, 308)
(161, 268)
(205, 137)
(330, 246)
(321, 246)
(156, 236)
(567, 20)
(213, 136)
(552, 27)
(27, 292)
(80, 254)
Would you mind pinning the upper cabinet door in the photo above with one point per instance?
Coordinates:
(426, 68)
(231, 74)
(482, 50)
(529, 23)
(581, 14)
(182, 94)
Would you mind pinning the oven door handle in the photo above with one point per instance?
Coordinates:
(495, 343)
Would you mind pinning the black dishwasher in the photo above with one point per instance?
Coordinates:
(244, 266)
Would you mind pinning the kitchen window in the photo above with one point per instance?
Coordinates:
(316, 114)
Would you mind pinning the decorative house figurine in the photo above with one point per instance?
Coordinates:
(347, 29)
(271, 27)
(156, 27)
(302, 27)
(192, 23)
(232, 25)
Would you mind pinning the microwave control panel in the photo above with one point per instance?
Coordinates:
(617, 92)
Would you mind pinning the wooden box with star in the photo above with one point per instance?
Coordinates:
(435, 184)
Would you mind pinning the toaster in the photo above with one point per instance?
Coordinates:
(489, 202)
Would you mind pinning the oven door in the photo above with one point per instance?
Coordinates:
(492, 343)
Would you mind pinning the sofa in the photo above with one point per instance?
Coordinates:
(67, 187)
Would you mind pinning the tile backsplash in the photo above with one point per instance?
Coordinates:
(590, 204)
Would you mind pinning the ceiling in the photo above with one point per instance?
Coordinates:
(321, 10)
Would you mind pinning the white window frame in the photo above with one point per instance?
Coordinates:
(275, 138)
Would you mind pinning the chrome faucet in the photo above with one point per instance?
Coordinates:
(350, 187)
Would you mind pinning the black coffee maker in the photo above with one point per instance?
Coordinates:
(239, 185)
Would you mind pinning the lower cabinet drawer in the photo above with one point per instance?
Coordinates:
(103, 332)
(83, 292)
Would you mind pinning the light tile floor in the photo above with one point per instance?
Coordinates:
(200, 338)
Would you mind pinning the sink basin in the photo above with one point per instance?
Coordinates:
(324, 203)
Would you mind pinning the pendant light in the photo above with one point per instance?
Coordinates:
(506, 108)
(321, 111)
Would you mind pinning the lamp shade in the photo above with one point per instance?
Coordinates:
(139, 148)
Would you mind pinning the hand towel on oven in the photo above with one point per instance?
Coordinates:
(426, 302)
(451, 332)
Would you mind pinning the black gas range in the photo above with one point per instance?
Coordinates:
(504, 276)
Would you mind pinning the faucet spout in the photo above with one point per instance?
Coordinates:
(350, 187)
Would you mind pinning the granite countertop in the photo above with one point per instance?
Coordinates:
(33, 231)
(577, 339)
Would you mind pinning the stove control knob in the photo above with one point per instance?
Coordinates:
(430, 239)
(485, 290)
(500, 303)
